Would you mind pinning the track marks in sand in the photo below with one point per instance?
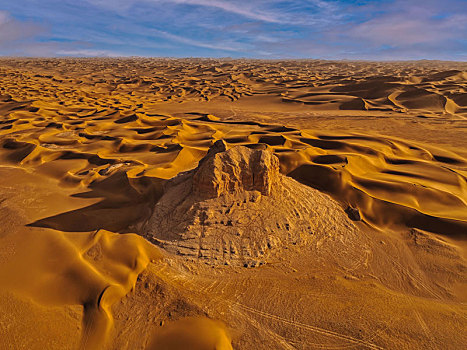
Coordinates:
(315, 329)
(99, 128)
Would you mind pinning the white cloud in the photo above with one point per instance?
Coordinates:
(408, 29)
(3, 17)
(257, 10)
(232, 46)
(248, 9)
(90, 53)
(17, 38)
(251, 28)
(12, 30)
(244, 9)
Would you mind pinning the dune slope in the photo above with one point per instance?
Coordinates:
(368, 251)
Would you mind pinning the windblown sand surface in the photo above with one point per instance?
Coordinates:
(361, 243)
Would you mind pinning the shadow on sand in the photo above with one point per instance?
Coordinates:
(124, 202)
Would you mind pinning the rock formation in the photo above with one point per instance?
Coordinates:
(236, 171)
(236, 208)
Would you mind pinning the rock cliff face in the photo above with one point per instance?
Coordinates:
(235, 171)
(236, 208)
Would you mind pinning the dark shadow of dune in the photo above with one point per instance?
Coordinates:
(376, 211)
(124, 202)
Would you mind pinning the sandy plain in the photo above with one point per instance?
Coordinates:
(87, 147)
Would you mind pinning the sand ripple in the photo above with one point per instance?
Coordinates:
(392, 181)
(96, 131)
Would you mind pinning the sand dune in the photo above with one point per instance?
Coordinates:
(87, 147)
(423, 184)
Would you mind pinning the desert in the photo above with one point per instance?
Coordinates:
(152, 203)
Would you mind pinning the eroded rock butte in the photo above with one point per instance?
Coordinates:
(236, 208)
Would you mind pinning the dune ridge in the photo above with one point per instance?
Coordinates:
(93, 270)
(430, 87)
(89, 149)
(423, 186)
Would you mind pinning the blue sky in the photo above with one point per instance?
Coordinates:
(327, 29)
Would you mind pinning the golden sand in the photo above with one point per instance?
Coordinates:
(86, 147)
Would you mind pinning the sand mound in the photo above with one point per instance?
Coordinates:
(86, 150)
(192, 333)
(235, 208)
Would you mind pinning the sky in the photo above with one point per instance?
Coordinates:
(320, 29)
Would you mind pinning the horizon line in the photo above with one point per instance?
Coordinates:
(227, 58)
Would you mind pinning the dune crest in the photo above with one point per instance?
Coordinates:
(423, 186)
(92, 270)
(288, 200)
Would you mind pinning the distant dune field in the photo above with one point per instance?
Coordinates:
(369, 253)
